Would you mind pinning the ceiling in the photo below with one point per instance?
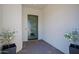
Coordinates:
(36, 6)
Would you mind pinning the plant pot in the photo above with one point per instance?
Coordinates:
(74, 49)
(9, 49)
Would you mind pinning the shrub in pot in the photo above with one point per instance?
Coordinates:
(7, 46)
(73, 37)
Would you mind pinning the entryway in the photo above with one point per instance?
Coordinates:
(33, 27)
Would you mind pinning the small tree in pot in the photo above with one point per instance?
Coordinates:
(6, 38)
(73, 37)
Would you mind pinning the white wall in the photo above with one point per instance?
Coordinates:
(31, 11)
(59, 19)
(0, 17)
(12, 20)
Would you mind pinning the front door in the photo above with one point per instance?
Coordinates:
(33, 27)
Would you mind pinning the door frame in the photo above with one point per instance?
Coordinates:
(37, 24)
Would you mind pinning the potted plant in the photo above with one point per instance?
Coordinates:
(73, 37)
(7, 46)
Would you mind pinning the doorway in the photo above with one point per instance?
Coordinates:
(33, 27)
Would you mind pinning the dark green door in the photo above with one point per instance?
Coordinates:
(33, 27)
